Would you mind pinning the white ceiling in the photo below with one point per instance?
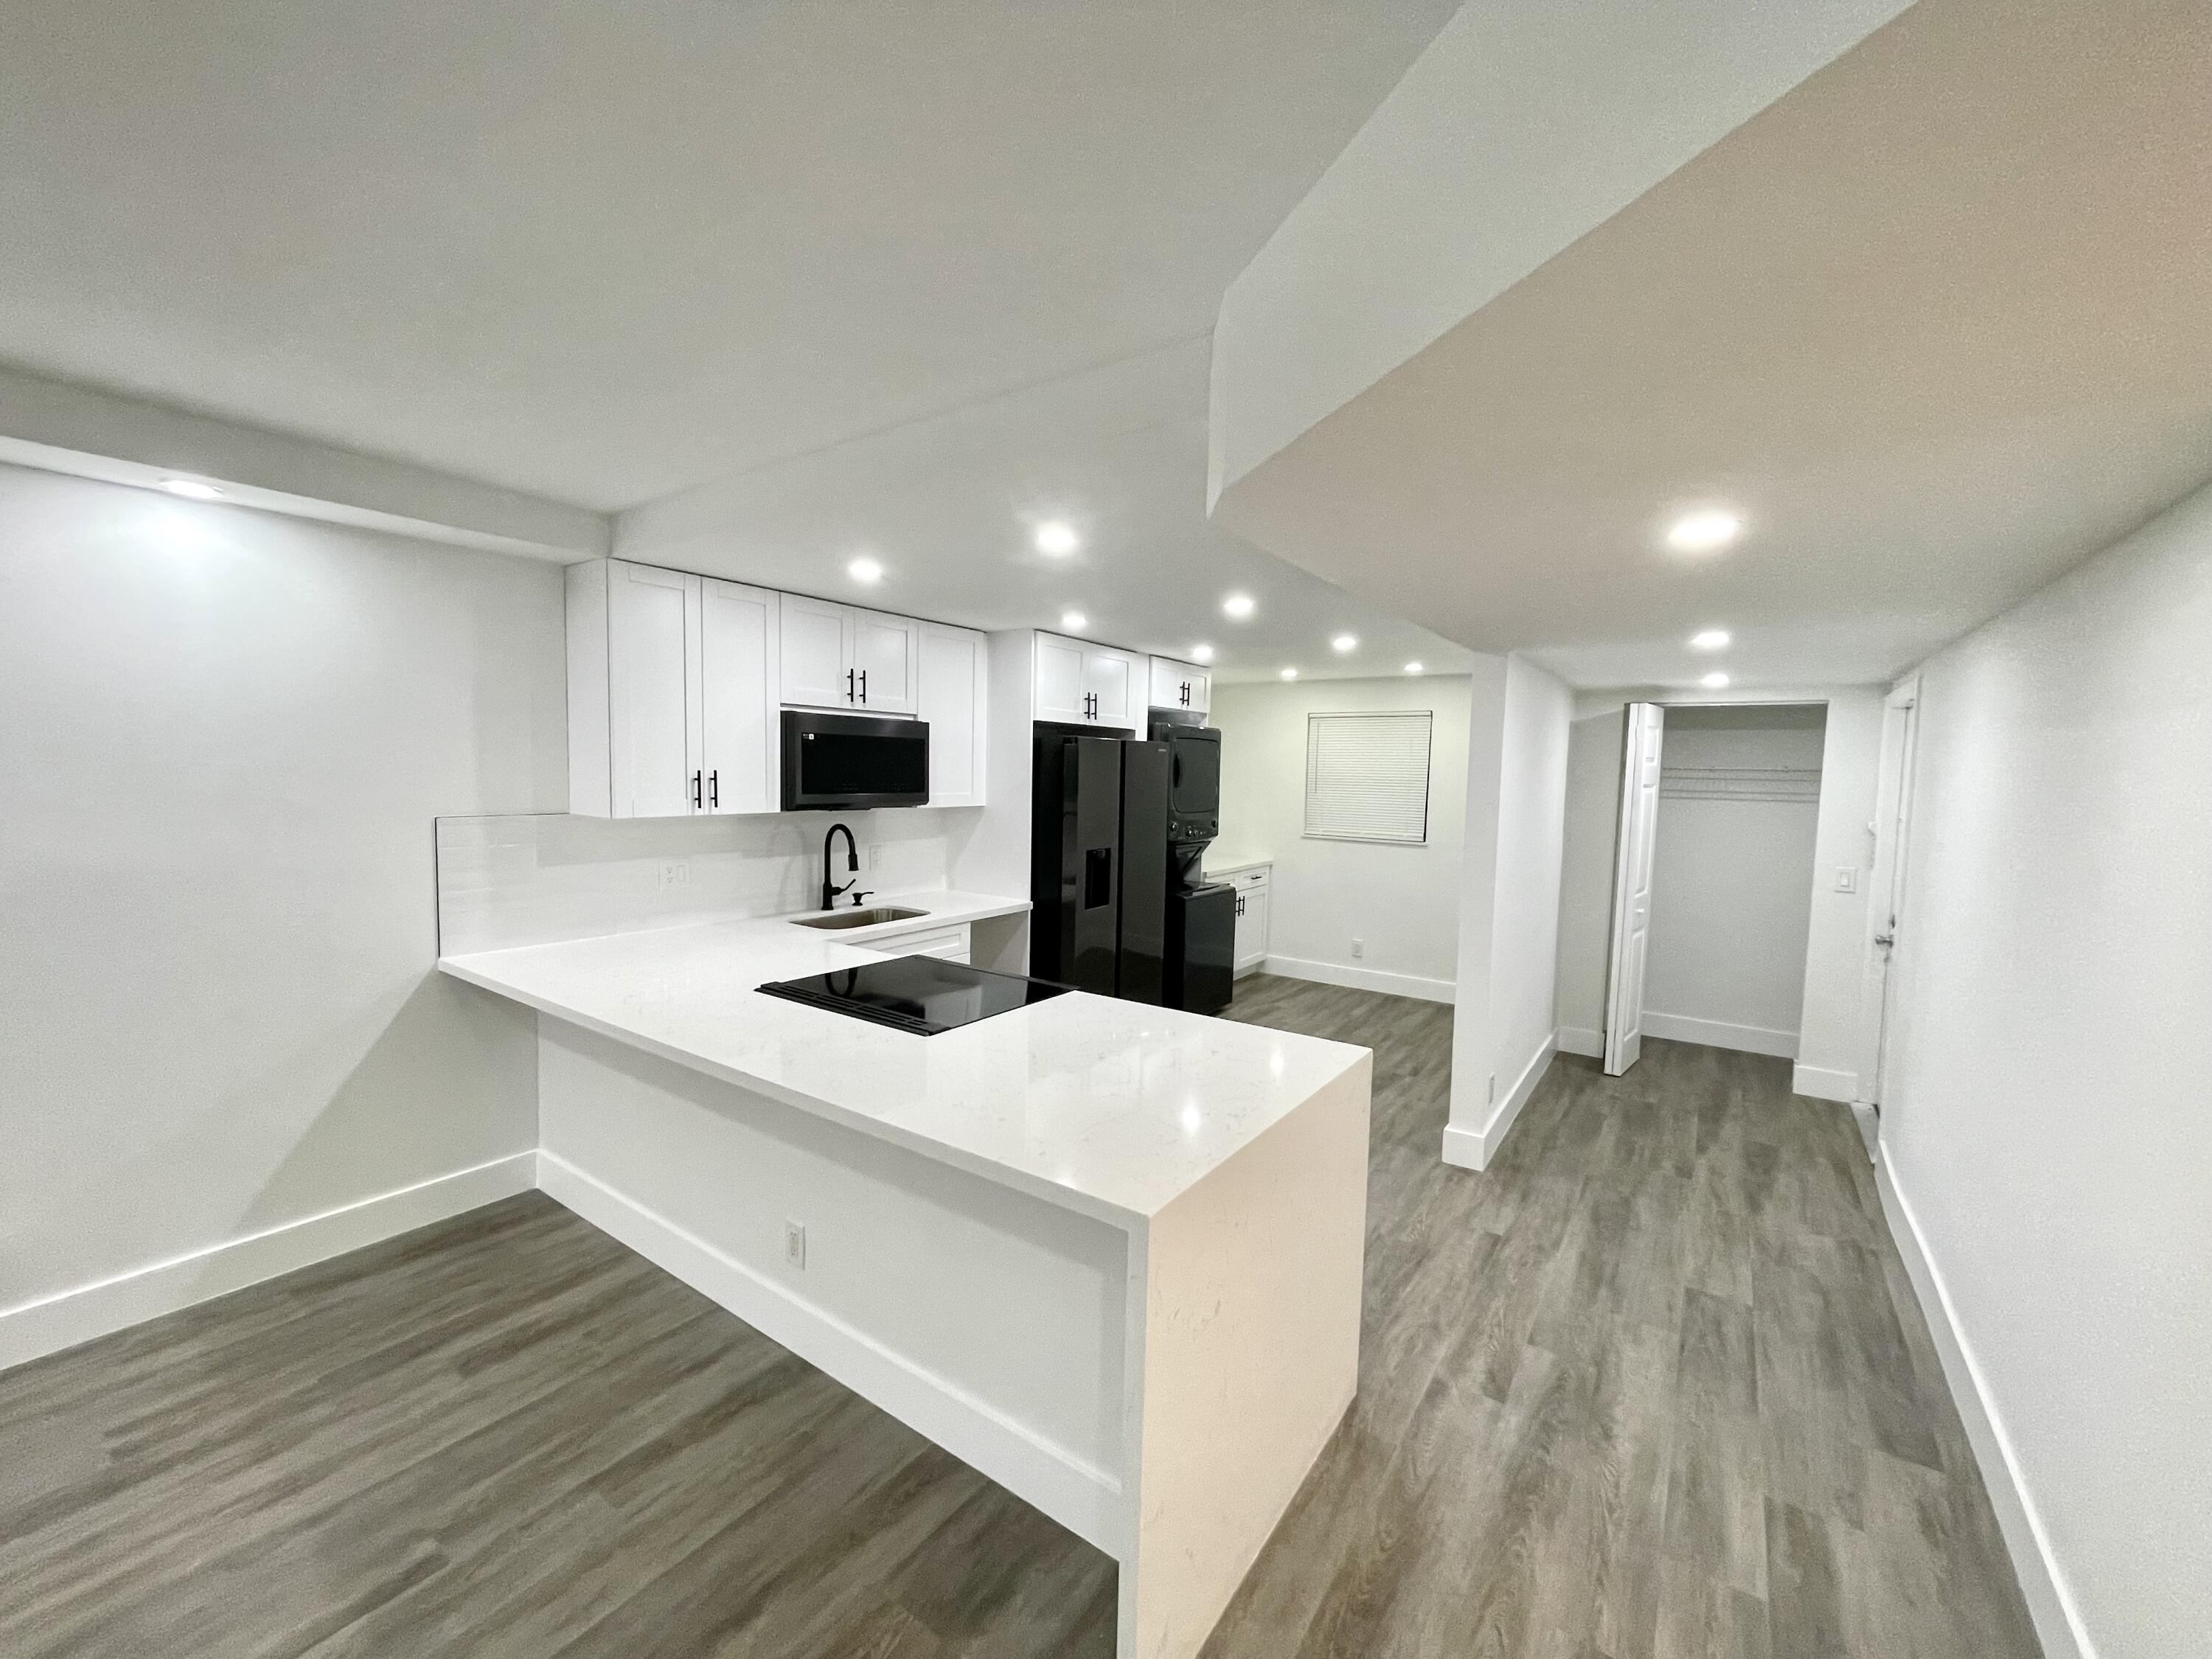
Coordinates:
(1936, 322)
(602, 253)
(949, 506)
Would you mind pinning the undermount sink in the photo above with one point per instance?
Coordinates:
(867, 918)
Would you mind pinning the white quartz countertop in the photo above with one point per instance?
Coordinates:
(1107, 1107)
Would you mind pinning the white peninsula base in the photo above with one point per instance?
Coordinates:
(1109, 1254)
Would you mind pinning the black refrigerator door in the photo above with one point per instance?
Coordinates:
(1146, 770)
(1201, 948)
(1091, 863)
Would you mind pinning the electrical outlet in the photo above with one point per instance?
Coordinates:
(1359, 949)
(1847, 881)
(675, 872)
(794, 1244)
(875, 855)
(1493, 1089)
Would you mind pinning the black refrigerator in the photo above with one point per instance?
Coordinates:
(1108, 877)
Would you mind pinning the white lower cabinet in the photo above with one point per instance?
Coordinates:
(1251, 884)
(949, 943)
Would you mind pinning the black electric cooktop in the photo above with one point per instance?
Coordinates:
(922, 995)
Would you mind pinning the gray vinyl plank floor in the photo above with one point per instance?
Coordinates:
(1654, 1384)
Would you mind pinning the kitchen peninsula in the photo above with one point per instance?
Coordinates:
(1108, 1254)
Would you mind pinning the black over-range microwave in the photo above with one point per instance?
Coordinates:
(847, 761)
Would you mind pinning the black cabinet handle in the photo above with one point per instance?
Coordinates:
(848, 685)
(715, 787)
(694, 791)
(864, 685)
(1240, 904)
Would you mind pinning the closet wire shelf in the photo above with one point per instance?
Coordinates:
(1779, 783)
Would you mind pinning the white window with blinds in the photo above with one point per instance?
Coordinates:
(1367, 776)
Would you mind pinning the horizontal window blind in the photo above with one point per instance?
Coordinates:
(1367, 776)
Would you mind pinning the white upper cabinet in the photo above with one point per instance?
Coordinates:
(834, 656)
(886, 662)
(634, 689)
(1181, 685)
(1080, 683)
(955, 699)
(676, 681)
(669, 676)
(1061, 693)
(814, 653)
(738, 673)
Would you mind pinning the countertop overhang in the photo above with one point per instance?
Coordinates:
(1106, 1107)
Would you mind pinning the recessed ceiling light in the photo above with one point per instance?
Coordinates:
(1290, 673)
(1714, 681)
(1057, 538)
(1412, 668)
(191, 489)
(1712, 639)
(1703, 532)
(1238, 606)
(1073, 619)
(1202, 653)
(1345, 642)
(864, 570)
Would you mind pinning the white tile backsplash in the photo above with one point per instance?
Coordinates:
(532, 878)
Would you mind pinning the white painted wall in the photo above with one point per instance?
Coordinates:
(1830, 1036)
(2047, 1117)
(1531, 827)
(224, 735)
(1503, 1025)
(1731, 884)
(1399, 900)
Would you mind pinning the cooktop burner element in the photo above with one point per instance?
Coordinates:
(922, 995)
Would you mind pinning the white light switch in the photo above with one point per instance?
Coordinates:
(1847, 881)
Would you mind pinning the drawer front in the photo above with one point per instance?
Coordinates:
(950, 943)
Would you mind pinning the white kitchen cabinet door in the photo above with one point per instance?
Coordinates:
(1180, 686)
(653, 692)
(739, 639)
(955, 699)
(1115, 681)
(883, 653)
(815, 654)
(1251, 926)
(1061, 693)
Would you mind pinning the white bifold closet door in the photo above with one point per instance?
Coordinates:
(1632, 887)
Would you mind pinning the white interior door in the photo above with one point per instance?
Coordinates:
(1892, 820)
(1632, 887)
(738, 641)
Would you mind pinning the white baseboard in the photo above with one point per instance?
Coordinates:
(1721, 1033)
(1581, 1040)
(1362, 979)
(1084, 1498)
(1472, 1149)
(68, 1317)
(1821, 1083)
(2043, 1584)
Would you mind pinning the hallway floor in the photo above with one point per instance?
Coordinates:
(1653, 1385)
